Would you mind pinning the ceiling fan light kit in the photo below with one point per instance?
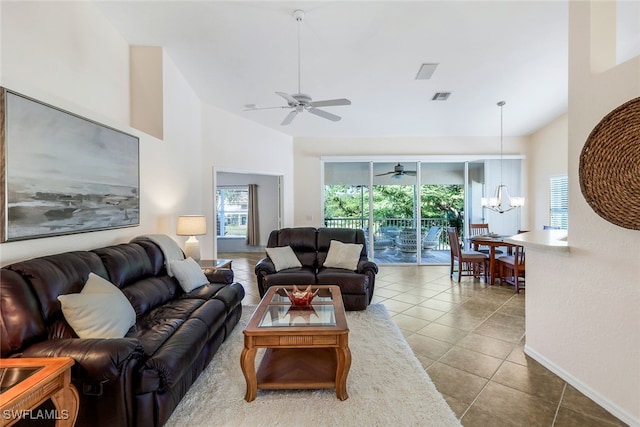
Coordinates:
(300, 102)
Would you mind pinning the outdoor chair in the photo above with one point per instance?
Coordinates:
(432, 239)
(470, 263)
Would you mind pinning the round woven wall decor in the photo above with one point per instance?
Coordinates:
(610, 166)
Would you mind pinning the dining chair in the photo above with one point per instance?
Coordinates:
(512, 268)
(470, 263)
(481, 230)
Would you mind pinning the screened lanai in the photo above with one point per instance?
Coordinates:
(404, 206)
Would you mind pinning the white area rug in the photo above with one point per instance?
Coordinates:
(387, 386)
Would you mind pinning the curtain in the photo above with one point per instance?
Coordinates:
(253, 236)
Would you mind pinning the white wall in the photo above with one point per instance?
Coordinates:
(308, 151)
(233, 144)
(547, 158)
(582, 317)
(510, 173)
(67, 54)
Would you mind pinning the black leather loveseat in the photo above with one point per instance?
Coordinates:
(139, 379)
(311, 246)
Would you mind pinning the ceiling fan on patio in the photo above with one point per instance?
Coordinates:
(300, 102)
(398, 172)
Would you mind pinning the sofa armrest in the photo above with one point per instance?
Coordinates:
(97, 360)
(366, 266)
(369, 269)
(219, 275)
(264, 267)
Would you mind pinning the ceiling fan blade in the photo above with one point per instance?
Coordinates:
(324, 114)
(289, 118)
(262, 108)
(411, 173)
(383, 174)
(331, 102)
(290, 99)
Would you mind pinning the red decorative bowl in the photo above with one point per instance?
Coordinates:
(301, 298)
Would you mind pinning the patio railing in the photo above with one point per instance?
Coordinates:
(388, 229)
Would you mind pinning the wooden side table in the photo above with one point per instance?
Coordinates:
(27, 382)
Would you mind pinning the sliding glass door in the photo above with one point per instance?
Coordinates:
(395, 238)
(397, 214)
(405, 207)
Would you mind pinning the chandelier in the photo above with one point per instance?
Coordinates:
(501, 201)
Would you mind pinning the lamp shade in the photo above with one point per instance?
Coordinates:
(191, 225)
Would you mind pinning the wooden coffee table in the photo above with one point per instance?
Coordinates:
(306, 348)
(28, 382)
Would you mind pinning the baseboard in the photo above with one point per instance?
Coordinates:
(583, 388)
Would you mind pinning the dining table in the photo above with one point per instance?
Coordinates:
(493, 241)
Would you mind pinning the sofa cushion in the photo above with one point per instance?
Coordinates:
(292, 276)
(59, 274)
(349, 282)
(149, 293)
(344, 235)
(156, 257)
(231, 295)
(343, 255)
(301, 239)
(172, 334)
(283, 258)
(99, 311)
(188, 273)
(21, 322)
(126, 263)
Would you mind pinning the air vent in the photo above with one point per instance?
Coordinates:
(441, 96)
(426, 71)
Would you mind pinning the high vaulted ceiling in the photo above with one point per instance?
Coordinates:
(236, 53)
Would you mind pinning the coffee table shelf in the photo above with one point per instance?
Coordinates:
(297, 368)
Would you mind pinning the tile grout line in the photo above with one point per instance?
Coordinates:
(499, 366)
(555, 416)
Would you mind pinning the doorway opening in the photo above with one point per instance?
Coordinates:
(234, 207)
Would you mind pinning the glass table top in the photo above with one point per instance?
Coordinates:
(11, 376)
(281, 313)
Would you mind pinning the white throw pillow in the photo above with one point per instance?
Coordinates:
(283, 258)
(189, 274)
(100, 310)
(343, 255)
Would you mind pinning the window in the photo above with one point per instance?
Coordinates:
(231, 211)
(559, 202)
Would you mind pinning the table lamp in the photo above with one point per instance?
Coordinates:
(192, 226)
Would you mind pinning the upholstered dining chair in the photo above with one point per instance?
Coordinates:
(470, 263)
(512, 268)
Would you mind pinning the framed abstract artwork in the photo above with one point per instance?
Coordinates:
(62, 173)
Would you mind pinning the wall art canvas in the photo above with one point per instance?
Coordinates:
(62, 173)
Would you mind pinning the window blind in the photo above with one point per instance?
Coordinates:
(559, 202)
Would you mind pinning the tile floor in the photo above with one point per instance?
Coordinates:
(470, 338)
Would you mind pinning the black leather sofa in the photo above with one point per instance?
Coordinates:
(311, 246)
(137, 380)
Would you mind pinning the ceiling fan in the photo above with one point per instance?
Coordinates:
(398, 172)
(300, 102)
